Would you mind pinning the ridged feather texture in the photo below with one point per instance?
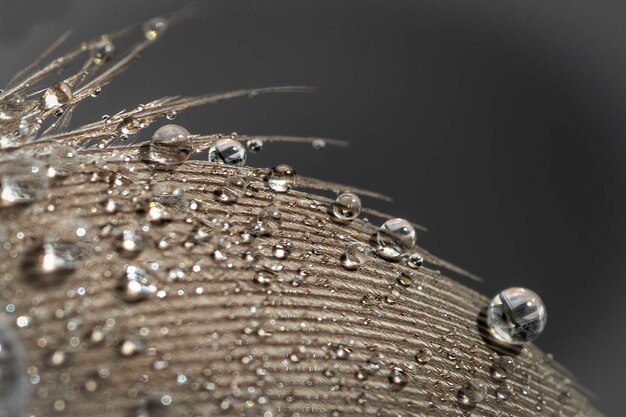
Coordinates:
(133, 288)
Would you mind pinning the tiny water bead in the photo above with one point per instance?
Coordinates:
(516, 316)
(254, 145)
(129, 243)
(354, 256)
(103, 51)
(154, 28)
(347, 206)
(57, 95)
(168, 193)
(228, 152)
(136, 284)
(395, 238)
(282, 178)
(22, 181)
(415, 261)
(170, 144)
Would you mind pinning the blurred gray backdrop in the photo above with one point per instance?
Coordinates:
(497, 124)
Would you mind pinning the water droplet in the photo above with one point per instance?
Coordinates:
(232, 190)
(170, 144)
(62, 161)
(255, 145)
(171, 115)
(415, 261)
(103, 51)
(57, 95)
(168, 193)
(269, 221)
(50, 263)
(154, 28)
(129, 243)
(504, 391)
(136, 284)
(472, 393)
(281, 178)
(229, 152)
(502, 368)
(516, 316)
(395, 238)
(264, 278)
(282, 249)
(398, 378)
(22, 181)
(128, 126)
(347, 206)
(354, 256)
(319, 144)
(131, 346)
(423, 355)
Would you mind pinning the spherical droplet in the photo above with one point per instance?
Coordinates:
(154, 28)
(233, 188)
(516, 316)
(136, 284)
(423, 355)
(347, 206)
(502, 368)
(282, 249)
(131, 346)
(415, 261)
(472, 393)
(395, 238)
(57, 95)
(281, 178)
(170, 144)
(269, 220)
(228, 152)
(398, 378)
(103, 51)
(254, 145)
(22, 181)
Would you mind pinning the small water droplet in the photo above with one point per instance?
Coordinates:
(228, 152)
(136, 284)
(49, 263)
(281, 178)
(398, 378)
(415, 261)
(154, 28)
(57, 95)
(264, 278)
(395, 238)
(318, 144)
(472, 393)
(131, 346)
(129, 243)
(22, 181)
(354, 256)
(128, 126)
(347, 206)
(255, 145)
(103, 51)
(269, 221)
(170, 144)
(282, 249)
(423, 355)
(168, 193)
(516, 316)
(233, 188)
(171, 115)
(502, 368)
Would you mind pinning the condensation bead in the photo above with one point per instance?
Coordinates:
(233, 188)
(57, 95)
(281, 178)
(395, 238)
(154, 28)
(268, 221)
(228, 152)
(347, 206)
(170, 144)
(472, 393)
(22, 181)
(516, 316)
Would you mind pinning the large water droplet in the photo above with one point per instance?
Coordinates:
(170, 144)
(154, 28)
(228, 151)
(22, 181)
(136, 284)
(57, 95)
(395, 238)
(281, 178)
(516, 316)
(347, 206)
(472, 393)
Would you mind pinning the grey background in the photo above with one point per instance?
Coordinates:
(498, 124)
